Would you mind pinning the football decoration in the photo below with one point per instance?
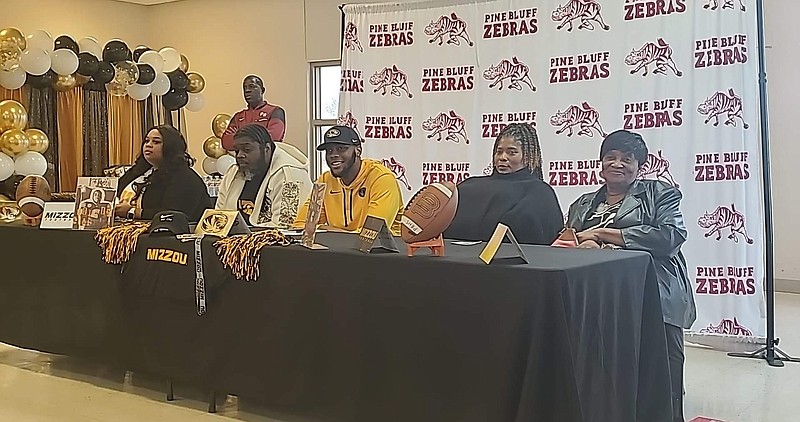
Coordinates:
(32, 193)
(429, 213)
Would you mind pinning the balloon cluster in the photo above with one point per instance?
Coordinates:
(64, 64)
(20, 148)
(217, 160)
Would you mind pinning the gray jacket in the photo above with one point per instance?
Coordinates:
(650, 219)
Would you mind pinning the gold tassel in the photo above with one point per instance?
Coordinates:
(119, 242)
(242, 253)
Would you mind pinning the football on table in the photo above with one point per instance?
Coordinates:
(32, 193)
(429, 213)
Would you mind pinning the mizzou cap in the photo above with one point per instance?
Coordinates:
(340, 135)
(169, 222)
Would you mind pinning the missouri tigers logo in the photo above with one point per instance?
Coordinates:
(584, 116)
(451, 125)
(724, 217)
(729, 327)
(515, 71)
(351, 41)
(214, 223)
(392, 79)
(585, 10)
(450, 28)
(347, 119)
(721, 103)
(659, 53)
(727, 5)
(657, 167)
(398, 169)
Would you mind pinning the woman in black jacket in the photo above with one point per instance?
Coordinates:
(162, 179)
(643, 215)
(514, 194)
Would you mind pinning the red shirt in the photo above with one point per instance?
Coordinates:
(261, 116)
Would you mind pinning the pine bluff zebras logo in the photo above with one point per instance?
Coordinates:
(728, 4)
(347, 119)
(450, 125)
(351, 41)
(512, 71)
(657, 53)
(656, 167)
(398, 169)
(720, 103)
(725, 218)
(729, 327)
(584, 11)
(584, 116)
(391, 80)
(450, 29)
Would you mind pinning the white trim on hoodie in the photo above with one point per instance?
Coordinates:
(287, 185)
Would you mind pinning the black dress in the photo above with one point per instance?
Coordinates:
(181, 189)
(519, 200)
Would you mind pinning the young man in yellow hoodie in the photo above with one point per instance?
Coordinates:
(354, 187)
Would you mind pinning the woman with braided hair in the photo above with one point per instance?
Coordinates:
(515, 194)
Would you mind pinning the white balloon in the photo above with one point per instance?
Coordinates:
(92, 46)
(7, 166)
(40, 40)
(30, 163)
(35, 61)
(153, 59)
(209, 166)
(224, 163)
(172, 59)
(65, 62)
(139, 92)
(13, 79)
(196, 102)
(160, 85)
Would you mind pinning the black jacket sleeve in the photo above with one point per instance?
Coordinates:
(537, 219)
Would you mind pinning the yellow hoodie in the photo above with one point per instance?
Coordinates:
(374, 192)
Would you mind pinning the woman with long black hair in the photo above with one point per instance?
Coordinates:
(162, 179)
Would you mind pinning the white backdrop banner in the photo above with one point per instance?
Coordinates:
(429, 85)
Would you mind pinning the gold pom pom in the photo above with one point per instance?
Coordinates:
(242, 253)
(119, 242)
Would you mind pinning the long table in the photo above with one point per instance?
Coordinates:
(338, 335)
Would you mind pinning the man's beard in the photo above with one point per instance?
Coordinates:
(248, 174)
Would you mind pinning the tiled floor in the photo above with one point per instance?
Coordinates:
(44, 388)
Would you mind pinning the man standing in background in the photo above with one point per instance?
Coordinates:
(258, 111)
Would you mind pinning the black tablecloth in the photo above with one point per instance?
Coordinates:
(337, 335)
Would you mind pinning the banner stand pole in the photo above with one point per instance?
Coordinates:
(770, 352)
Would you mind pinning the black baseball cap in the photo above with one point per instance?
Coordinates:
(169, 222)
(340, 135)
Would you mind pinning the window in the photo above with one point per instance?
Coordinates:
(325, 81)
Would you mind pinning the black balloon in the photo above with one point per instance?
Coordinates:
(178, 80)
(146, 74)
(87, 64)
(104, 74)
(116, 51)
(42, 81)
(138, 51)
(175, 99)
(65, 41)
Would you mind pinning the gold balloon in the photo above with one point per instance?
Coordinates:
(9, 57)
(12, 36)
(12, 115)
(213, 147)
(65, 82)
(14, 142)
(116, 89)
(196, 82)
(184, 64)
(220, 123)
(80, 79)
(38, 141)
(126, 73)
